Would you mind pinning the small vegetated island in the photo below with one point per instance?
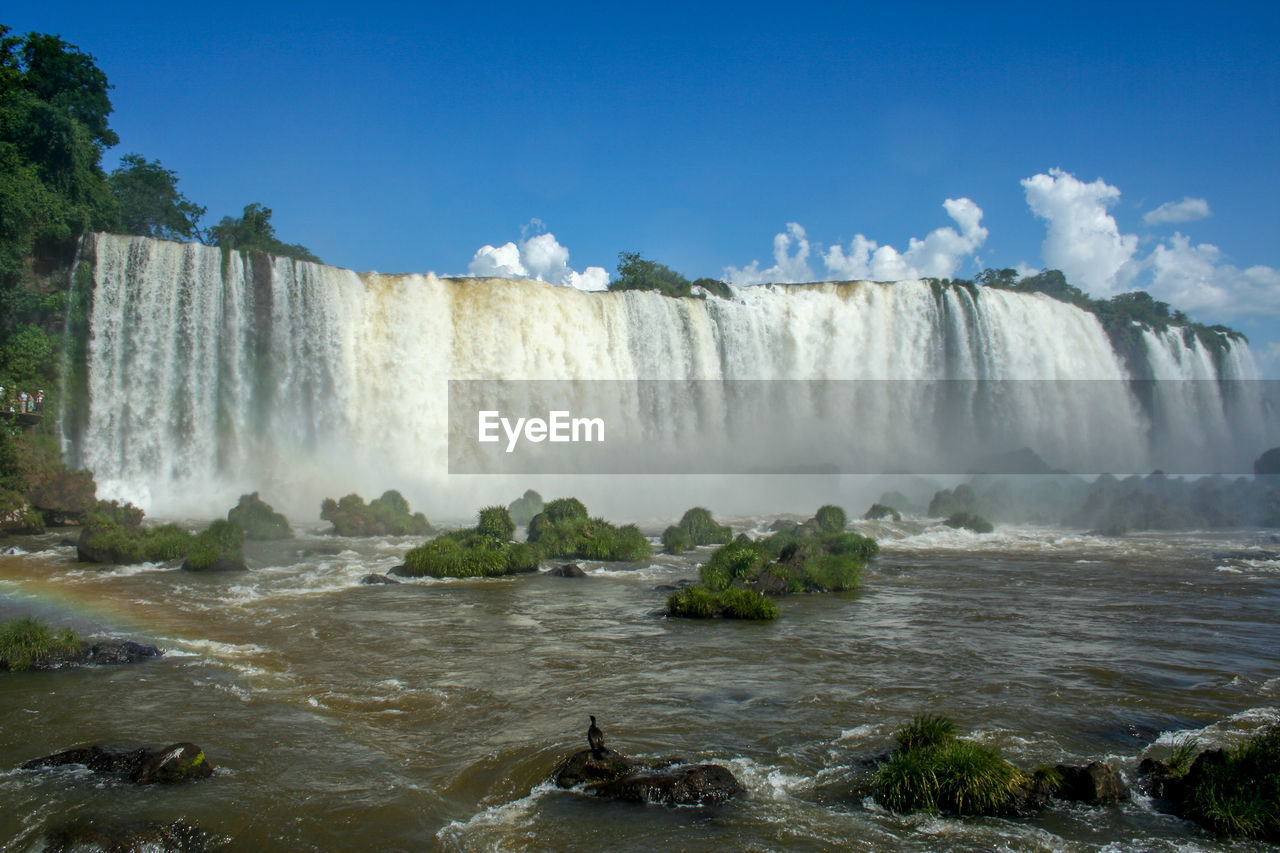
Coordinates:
(563, 529)
(113, 534)
(388, 515)
(742, 578)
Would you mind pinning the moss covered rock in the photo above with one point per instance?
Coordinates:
(564, 530)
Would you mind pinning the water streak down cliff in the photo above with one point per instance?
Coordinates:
(217, 371)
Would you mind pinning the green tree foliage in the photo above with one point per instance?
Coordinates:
(384, 516)
(258, 519)
(147, 201)
(253, 230)
(637, 273)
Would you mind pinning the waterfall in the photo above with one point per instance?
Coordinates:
(213, 371)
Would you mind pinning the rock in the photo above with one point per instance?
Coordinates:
(179, 762)
(674, 587)
(1156, 779)
(400, 571)
(681, 785)
(671, 782)
(117, 836)
(67, 543)
(783, 524)
(584, 767)
(222, 564)
(769, 583)
(110, 652)
(1096, 784)
(567, 570)
(742, 537)
(376, 579)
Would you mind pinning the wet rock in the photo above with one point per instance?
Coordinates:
(90, 835)
(769, 583)
(1156, 779)
(742, 537)
(110, 652)
(566, 570)
(681, 785)
(1095, 784)
(179, 762)
(101, 652)
(398, 571)
(376, 579)
(783, 524)
(584, 767)
(673, 587)
(669, 782)
(222, 564)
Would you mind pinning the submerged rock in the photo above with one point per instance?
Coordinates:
(377, 579)
(86, 835)
(566, 570)
(1095, 784)
(179, 762)
(100, 652)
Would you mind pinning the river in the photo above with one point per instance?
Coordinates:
(430, 715)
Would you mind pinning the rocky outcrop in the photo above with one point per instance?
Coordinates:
(566, 570)
(221, 564)
(377, 579)
(1095, 784)
(179, 762)
(671, 782)
(101, 652)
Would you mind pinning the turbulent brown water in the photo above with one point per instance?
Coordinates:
(430, 715)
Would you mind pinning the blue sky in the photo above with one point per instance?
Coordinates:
(406, 137)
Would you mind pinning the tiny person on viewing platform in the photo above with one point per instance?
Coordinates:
(595, 738)
(40, 401)
(23, 398)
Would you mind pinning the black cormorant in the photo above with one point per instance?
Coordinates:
(595, 738)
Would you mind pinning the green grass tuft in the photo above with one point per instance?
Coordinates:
(934, 771)
(258, 519)
(1237, 793)
(699, 602)
(24, 642)
(831, 518)
(496, 521)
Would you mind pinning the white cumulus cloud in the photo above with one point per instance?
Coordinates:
(938, 255)
(1187, 210)
(1198, 278)
(1082, 238)
(540, 257)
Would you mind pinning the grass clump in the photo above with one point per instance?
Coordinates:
(383, 516)
(932, 770)
(696, 527)
(258, 519)
(700, 602)
(879, 511)
(25, 642)
(483, 551)
(831, 518)
(676, 540)
(1237, 792)
(564, 530)
(221, 540)
(496, 521)
(732, 562)
(969, 521)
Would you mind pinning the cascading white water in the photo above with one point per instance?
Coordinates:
(210, 375)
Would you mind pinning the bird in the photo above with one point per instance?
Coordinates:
(595, 738)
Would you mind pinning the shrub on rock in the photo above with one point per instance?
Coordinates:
(25, 642)
(217, 548)
(969, 521)
(525, 507)
(383, 516)
(258, 519)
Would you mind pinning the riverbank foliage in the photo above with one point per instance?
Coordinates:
(696, 527)
(932, 770)
(37, 490)
(26, 641)
(258, 519)
(388, 515)
(564, 530)
(112, 535)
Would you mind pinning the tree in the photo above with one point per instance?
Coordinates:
(637, 273)
(253, 230)
(148, 202)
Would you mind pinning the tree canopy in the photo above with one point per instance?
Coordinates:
(147, 202)
(253, 230)
(637, 273)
